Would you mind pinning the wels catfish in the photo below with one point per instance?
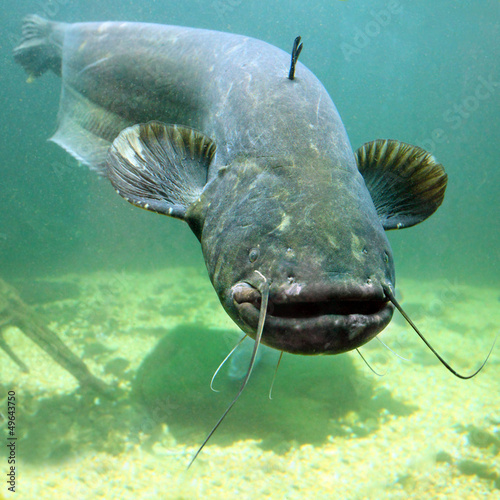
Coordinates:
(226, 133)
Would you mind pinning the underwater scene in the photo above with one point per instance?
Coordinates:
(126, 335)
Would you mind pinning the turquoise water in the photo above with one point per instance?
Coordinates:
(425, 73)
(406, 83)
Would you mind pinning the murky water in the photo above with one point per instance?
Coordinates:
(127, 293)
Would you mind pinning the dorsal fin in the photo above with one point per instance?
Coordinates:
(296, 50)
(406, 183)
(158, 167)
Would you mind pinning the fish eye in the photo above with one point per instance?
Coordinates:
(253, 255)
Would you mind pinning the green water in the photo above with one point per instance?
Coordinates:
(404, 84)
(425, 73)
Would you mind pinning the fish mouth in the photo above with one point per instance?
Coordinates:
(315, 319)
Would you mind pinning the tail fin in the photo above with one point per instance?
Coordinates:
(41, 46)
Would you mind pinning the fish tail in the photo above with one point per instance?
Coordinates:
(41, 46)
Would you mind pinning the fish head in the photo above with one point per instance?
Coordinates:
(317, 246)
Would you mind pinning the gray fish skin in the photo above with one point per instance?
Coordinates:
(282, 203)
(217, 83)
(318, 239)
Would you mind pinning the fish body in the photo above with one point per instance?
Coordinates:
(207, 127)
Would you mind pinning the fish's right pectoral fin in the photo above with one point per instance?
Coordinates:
(161, 168)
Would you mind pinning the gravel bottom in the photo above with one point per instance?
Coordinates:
(449, 448)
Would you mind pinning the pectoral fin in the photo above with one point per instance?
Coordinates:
(406, 183)
(158, 167)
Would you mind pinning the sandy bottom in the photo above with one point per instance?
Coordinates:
(449, 447)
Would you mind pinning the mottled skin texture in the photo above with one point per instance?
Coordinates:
(327, 249)
(285, 204)
(232, 88)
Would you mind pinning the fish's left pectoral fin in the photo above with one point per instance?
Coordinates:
(158, 167)
(406, 183)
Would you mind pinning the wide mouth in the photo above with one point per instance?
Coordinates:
(311, 302)
(312, 309)
(315, 319)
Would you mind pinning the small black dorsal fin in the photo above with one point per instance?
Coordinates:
(406, 182)
(296, 50)
(158, 167)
